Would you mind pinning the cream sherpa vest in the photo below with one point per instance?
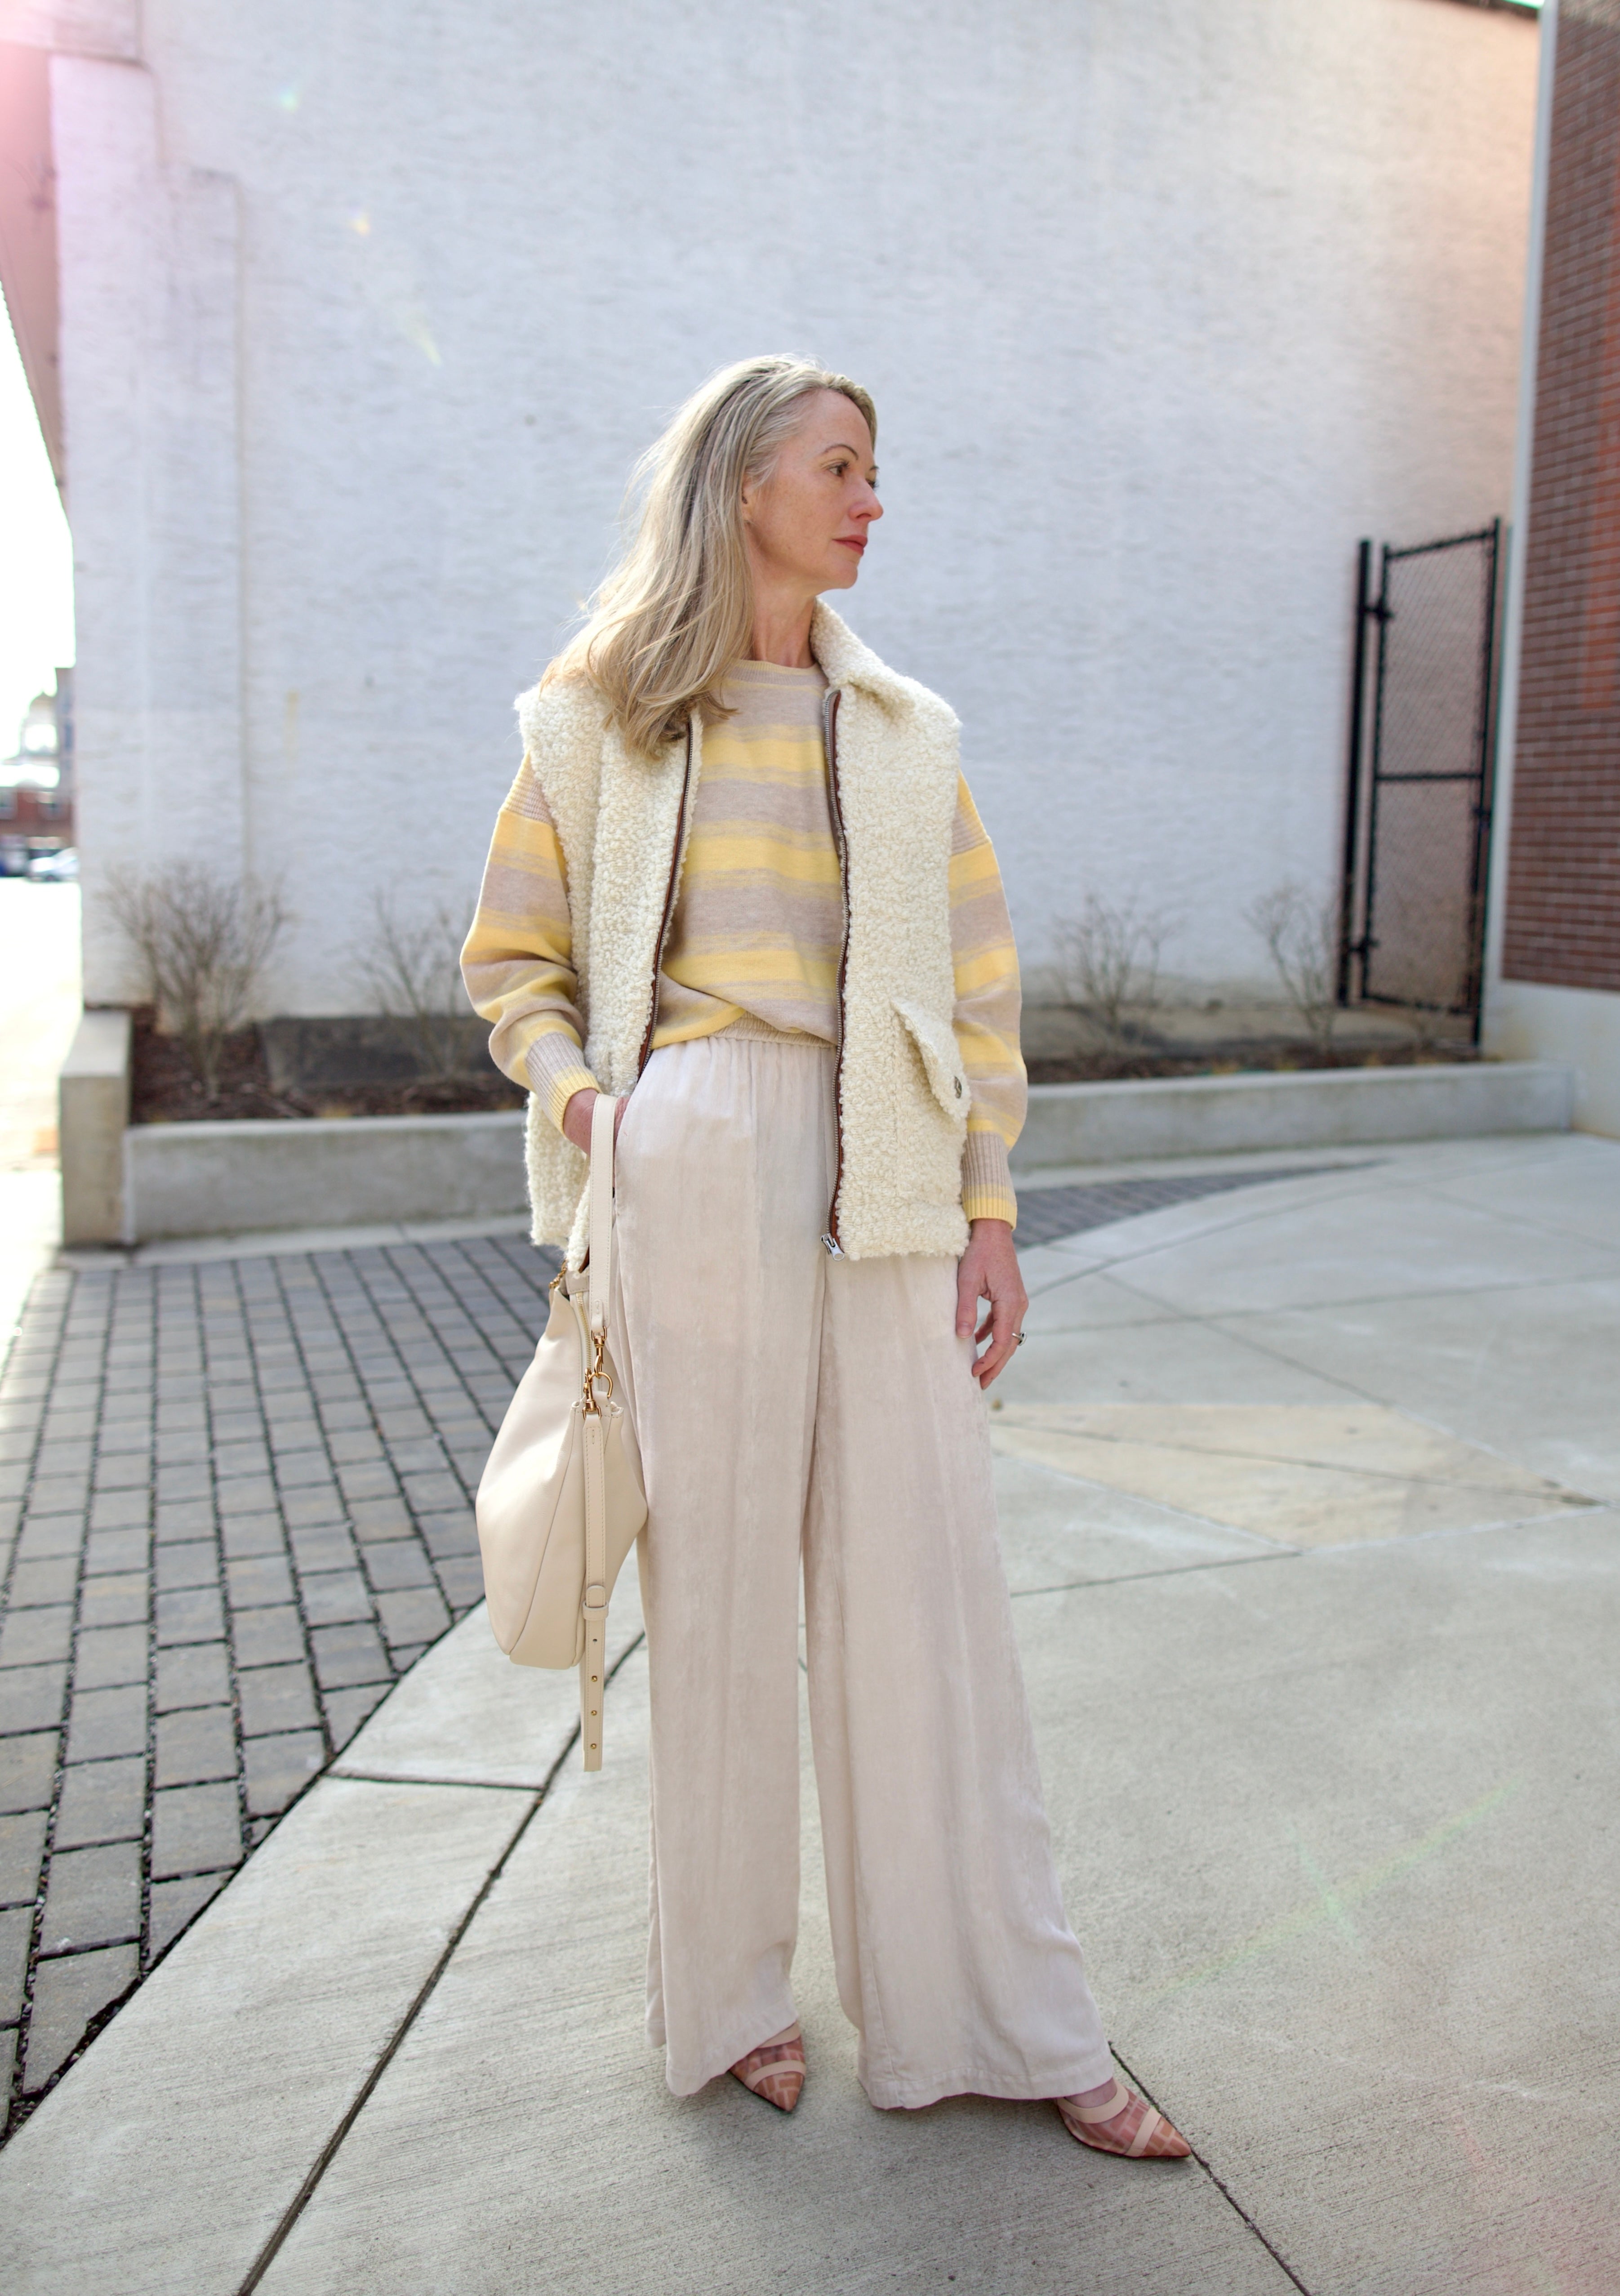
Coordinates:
(622, 822)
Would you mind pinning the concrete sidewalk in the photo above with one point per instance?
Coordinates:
(1311, 1500)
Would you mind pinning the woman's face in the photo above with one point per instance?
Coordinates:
(806, 524)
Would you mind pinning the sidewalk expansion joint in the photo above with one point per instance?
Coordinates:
(406, 1778)
(1170, 1570)
(1224, 2190)
(334, 2144)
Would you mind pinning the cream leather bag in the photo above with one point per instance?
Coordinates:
(560, 1502)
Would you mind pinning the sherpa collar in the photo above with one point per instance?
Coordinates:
(843, 661)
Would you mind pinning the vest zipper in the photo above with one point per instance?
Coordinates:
(670, 900)
(830, 719)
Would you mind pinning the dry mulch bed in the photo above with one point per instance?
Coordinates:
(164, 1090)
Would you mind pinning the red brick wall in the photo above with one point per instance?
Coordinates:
(1563, 892)
(32, 815)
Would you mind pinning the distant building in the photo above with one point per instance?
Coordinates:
(345, 326)
(1555, 986)
(37, 784)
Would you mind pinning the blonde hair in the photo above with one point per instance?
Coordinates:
(677, 612)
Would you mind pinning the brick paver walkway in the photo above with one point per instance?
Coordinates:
(242, 1498)
(235, 1504)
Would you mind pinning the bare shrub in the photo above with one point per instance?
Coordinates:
(1302, 936)
(1110, 959)
(203, 941)
(1436, 1028)
(411, 964)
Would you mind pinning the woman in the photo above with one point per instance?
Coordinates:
(740, 879)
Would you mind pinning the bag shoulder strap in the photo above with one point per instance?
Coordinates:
(600, 1270)
(593, 1657)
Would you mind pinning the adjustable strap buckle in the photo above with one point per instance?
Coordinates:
(598, 1377)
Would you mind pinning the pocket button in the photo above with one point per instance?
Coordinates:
(957, 1082)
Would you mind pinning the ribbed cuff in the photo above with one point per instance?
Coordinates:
(986, 1183)
(556, 1073)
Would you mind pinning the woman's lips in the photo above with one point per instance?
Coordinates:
(853, 541)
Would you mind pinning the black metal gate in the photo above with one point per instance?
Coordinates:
(1422, 728)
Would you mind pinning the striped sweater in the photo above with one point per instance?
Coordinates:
(757, 928)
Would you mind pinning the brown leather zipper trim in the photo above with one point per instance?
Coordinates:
(669, 899)
(833, 699)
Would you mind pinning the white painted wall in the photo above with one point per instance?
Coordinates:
(149, 259)
(1163, 308)
(1527, 1021)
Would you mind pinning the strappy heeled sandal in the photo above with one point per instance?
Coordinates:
(1154, 2139)
(775, 2071)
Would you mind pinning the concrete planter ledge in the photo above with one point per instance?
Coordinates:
(1313, 1108)
(219, 1179)
(93, 1115)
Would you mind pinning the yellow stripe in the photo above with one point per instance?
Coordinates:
(561, 1088)
(978, 968)
(517, 833)
(757, 852)
(973, 870)
(708, 1023)
(795, 748)
(709, 969)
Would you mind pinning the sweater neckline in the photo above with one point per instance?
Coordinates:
(769, 671)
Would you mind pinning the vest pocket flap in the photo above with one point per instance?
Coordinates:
(936, 1042)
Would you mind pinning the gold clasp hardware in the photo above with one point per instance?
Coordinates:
(598, 1376)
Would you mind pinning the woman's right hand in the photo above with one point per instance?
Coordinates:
(576, 1118)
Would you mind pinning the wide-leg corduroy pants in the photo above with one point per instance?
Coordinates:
(792, 1405)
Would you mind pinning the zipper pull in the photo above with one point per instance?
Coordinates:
(834, 1249)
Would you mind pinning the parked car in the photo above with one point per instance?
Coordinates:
(60, 868)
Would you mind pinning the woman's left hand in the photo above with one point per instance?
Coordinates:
(989, 1270)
